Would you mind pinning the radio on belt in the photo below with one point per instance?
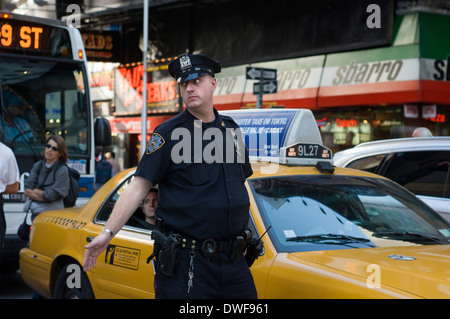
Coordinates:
(286, 136)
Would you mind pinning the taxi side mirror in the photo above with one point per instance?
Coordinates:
(102, 132)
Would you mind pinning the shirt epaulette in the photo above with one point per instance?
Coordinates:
(229, 121)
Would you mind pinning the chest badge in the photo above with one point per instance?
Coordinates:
(236, 143)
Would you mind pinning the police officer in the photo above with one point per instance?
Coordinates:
(200, 163)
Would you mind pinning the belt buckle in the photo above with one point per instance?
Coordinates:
(209, 247)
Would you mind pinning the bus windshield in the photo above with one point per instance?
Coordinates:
(42, 97)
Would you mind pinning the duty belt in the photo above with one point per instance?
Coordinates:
(209, 247)
(232, 247)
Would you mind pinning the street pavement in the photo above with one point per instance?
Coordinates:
(12, 286)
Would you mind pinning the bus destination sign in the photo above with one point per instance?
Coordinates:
(22, 37)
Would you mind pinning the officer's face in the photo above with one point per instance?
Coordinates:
(198, 92)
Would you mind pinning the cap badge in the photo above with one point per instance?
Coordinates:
(185, 62)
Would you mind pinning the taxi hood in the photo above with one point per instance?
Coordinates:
(420, 270)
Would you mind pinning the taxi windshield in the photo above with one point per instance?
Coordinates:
(317, 212)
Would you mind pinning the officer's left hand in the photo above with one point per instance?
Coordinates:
(95, 248)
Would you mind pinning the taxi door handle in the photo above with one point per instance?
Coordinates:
(89, 238)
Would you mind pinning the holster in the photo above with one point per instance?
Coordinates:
(168, 257)
(165, 249)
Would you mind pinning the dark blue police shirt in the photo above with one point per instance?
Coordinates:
(199, 196)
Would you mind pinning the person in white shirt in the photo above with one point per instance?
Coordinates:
(9, 182)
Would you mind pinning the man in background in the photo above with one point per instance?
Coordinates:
(111, 159)
(149, 206)
(9, 182)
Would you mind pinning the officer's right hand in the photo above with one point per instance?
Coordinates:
(95, 248)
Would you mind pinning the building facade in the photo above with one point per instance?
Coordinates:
(369, 69)
(363, 95)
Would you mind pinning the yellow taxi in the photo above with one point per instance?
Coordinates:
(328, 232)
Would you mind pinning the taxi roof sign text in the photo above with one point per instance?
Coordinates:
(287, 136)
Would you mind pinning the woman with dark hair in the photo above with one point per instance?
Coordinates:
(48, 182)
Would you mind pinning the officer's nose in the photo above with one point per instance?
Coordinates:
(189, 86)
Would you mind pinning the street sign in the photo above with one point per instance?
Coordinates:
(267, 84)
(268, 87)
(261, 74)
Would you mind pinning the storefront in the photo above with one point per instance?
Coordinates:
(128, 129)
(163, 101)
(346, 127)
(363, 95)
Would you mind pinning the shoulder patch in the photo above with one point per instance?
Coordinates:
(155, 143)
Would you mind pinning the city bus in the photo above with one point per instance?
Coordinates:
(44, 91)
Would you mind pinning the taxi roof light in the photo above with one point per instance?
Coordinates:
(285, 136)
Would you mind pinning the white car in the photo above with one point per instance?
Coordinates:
(420, 164)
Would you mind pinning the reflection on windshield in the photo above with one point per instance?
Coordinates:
(336, 212)
(40, 98)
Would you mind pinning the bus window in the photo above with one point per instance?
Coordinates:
(47, 99)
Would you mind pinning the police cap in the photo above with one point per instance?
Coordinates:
(188, 67)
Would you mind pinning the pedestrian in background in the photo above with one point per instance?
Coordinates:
(103, 172)
(111, 158)
(48, 182)
(9, 182)
(422, 132)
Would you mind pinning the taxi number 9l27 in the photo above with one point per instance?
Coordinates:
(308, 151)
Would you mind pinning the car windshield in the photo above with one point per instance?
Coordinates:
(308, 213)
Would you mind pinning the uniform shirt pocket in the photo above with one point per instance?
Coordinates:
(198, 173)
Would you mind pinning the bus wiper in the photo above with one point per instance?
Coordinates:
(331, 239)
(408, 233)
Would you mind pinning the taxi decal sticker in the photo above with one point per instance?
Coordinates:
(155, 143)
(122, 257)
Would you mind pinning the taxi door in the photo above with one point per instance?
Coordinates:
(122, 270)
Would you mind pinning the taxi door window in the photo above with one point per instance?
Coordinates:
(107, 208)
(423, 172)
(136, 220)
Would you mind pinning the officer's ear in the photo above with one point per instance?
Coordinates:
(213, 82)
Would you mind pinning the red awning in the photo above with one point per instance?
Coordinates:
(132, 125)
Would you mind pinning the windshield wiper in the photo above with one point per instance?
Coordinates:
(411, 234)
(331, 239)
